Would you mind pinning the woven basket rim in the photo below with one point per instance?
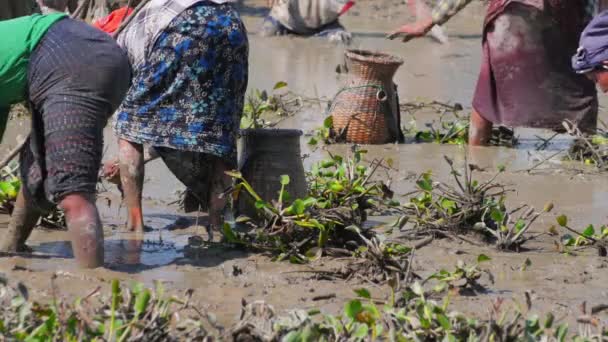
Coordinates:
(271, 132)
(373, 57)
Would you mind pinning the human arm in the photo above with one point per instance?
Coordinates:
(442, 12)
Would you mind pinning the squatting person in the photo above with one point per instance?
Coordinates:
(307, 18)
(73, 76)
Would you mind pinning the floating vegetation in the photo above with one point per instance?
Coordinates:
(451, 128)
(589, 237)
(419, 311)
(380, 262)
(135, 314)
(323, 134)
(264, 110)
(463, 280)
(9, 188)
(328, 221)
(590, 149)
(414, 317)
(470, 206)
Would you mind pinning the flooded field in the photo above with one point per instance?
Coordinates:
(221, 277)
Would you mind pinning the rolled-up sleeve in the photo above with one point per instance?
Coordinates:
(446, 9)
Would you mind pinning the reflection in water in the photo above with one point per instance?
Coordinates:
(151, 249)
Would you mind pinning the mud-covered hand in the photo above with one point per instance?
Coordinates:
(410, 31)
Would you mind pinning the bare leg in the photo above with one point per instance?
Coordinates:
(85, 229)
(131, 159)
(217, 203)
(23, 220)
(480, 130)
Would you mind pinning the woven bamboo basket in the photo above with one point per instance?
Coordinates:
(266, 155)
(365, 110)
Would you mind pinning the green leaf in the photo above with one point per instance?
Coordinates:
(483, 258)
(313, 142)
(527, 263)
(440, 287)
(8, 189)
(279, 85)
(519, 225)
(444, 322)
(299, 207)
(562, 332)
(425, 185)
(549, 321)
(141, 302)
(327, 164)
(284, 180)
(328, 122)
(589, 231)
(562, 220)
(363, 293)
(497, 215)
(229, 233)
(336, 187)
(361, 331)
(137, 288)
(297, 260)
(242, 219)
(234, 174)
(448, 204)
(417, 289)
(353, 308)
(315, 253)
(261, 205)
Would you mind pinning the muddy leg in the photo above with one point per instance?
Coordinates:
(131, 159)
(23, 220)
(480, 130)
(217, 203)
(85, 229)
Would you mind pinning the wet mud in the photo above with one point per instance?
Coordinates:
(221, 277)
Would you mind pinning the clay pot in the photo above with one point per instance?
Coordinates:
(266, 155)
(366, 109)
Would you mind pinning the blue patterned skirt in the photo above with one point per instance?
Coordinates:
(188, 95)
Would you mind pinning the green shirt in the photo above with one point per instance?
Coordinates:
(18, 38)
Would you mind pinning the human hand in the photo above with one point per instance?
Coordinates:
(410, 31)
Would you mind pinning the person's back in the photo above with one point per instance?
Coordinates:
(18, 38)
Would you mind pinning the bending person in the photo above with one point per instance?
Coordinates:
(308, 18)
(190, 63)
(525, 78)
(73, 77)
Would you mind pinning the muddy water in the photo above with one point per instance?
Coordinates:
(222, 277)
